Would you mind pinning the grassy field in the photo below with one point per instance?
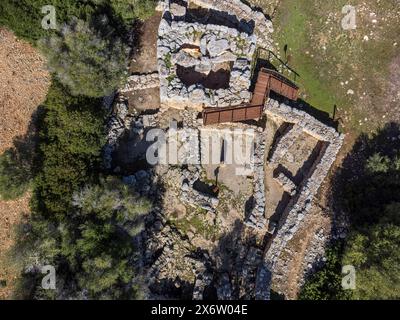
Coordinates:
(352, 69)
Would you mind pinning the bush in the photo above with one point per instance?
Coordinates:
(375, 254)
(112, 214)
(24, 17)
(326, 284)
(72, 135)
(92, 248)
(15, 174)
(134, 9)
(85, 61)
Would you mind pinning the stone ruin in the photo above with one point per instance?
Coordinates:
(207, 64)
(192, 55)
(303, 194)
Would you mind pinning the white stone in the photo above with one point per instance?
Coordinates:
(216, 47)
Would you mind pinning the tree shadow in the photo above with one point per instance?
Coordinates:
(18, 163)
(360, 192)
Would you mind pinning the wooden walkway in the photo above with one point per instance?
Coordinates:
(267, 80)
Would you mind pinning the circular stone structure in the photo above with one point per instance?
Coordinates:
(203, 65)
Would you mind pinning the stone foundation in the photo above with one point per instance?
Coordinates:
(287, 184)
(301, 204)
(262, 25)
(141, 82)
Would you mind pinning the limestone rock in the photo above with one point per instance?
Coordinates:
(217, 46)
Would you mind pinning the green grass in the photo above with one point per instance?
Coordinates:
(292, 31)
(195, 219)
(325, 55)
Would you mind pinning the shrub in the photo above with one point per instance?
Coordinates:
(24, 17)
(375, 254)
(85, 61)
(15, 174)
(134, 9)
(326, 284)
(72, 135)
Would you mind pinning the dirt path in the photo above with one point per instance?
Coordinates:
(24, 83)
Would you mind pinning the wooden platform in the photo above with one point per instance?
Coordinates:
(267, 80)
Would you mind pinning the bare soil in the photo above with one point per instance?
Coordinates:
(145, 61)
(145, 58)
(300, 157)
(24, 82)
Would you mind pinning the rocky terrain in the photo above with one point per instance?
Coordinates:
(214, 232)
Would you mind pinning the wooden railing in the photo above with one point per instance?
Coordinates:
(267, 80)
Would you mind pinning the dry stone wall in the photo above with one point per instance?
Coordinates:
(285, 143)
(263, 26)
(301, 204)
(287, 184)
(218, 44)
(141, 82)
(256, 218)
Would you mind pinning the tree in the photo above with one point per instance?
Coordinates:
(109, 217)
(72, 135)
(93, 247)
(378, 164)
(16, 167)
(375, 253)
(326, 283)
(87, 60)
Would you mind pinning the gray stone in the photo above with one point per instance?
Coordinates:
(185, 60)
(216, 47)
(185, 187)
(164, 27)
(225, 57)
(204, 66)
(197, 95)
(177, 10)
(203, 46)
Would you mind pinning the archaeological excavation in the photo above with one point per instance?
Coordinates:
(222, 222)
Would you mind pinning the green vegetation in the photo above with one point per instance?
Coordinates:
(71, 137)
(87, 52)
(15, 174)
(81, 223)
(24, 17)
(89, 62)
(327, 283)
(195, 221)
(134, 9)
(331, 60)
(168, 61)
(294, 33)
(91, 247)
(375, 253)
(368, 188)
